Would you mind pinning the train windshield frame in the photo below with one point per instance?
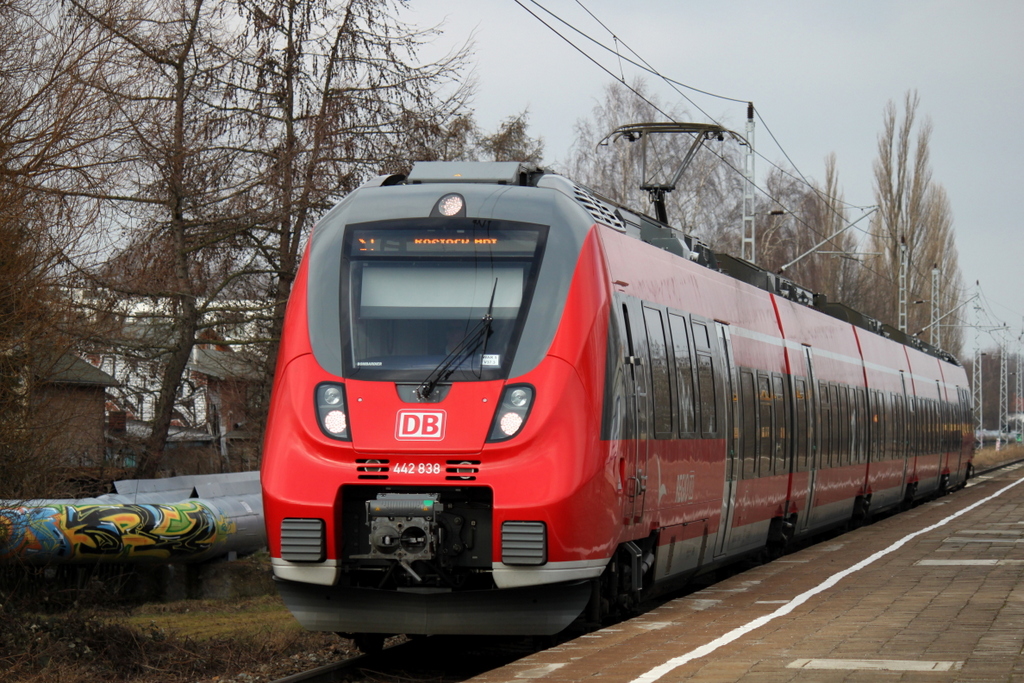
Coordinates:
(413, 289)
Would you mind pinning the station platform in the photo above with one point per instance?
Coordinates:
(931, 594)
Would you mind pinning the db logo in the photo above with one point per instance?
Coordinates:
(420, 424)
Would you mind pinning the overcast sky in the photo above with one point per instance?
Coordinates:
(819, 72)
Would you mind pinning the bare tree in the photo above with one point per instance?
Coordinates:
(49, 125)
(176, 186)
(914, 210)
(332, 94)
(834, 268)
(512, 142)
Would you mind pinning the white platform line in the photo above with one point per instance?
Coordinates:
(740, 631)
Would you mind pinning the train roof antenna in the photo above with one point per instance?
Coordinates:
(632, 132)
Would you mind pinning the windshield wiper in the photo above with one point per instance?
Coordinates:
(465, 348)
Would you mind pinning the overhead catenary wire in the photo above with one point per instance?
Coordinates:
(827, 200)
(649, 69)
(646, 66)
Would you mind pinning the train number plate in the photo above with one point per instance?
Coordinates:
(417, 468)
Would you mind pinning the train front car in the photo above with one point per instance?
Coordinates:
(432, 462)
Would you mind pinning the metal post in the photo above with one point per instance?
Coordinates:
(1017, 405)
(1003, 398)
(976, 389)
(903, 285)
(934, 337)
(976, 385)
(748, 248)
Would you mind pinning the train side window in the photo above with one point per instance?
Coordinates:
(933, 420)
(886, 449)
(944, 425)
(706, 392)
(842, 431)
(857, 423)
(708, 399)
(701, 340)
(873, 424)
(888, 408)
(780, 397)
(841, 406)
(765, 449)
(881, 426)
(684, 374)
(825, 420)
(951, 413)
(748, 438)
(887, 417)
(863, 418)
(900, 426)
(853, 422)
(923, 419)
(801, 430)
(951, 419)
(913, 426)
(925, 426)
(833, 441)
(812, 426)
(931, 426)
(892, 426)
(662, 390)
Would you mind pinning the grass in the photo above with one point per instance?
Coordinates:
(213, 619)
(989, 457)
(94, 638)
(202, 642)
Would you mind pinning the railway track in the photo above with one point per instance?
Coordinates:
(437, 659)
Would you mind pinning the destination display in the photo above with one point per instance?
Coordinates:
(502, 242)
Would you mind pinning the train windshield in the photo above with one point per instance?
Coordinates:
(419, 290)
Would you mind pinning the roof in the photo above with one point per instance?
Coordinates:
(222, 364)
(70, 369)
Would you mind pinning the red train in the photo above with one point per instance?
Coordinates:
(502, 401)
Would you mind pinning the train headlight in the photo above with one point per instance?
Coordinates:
(331, 411)
(513, 409)
(519, 398)
(451, 205)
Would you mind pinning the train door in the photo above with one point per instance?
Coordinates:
(731, 429)
(637, 378)
(809, 422)
(907, 431)
(942, 443)
(957, 437)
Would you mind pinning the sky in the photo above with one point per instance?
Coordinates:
(819, 72)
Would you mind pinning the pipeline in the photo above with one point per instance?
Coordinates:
(179, 519)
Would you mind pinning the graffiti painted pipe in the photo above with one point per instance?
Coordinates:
(140, 525)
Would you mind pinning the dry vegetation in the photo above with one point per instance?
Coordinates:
(988, 457)
(253, 640)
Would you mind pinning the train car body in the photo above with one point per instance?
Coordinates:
(500, 399)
